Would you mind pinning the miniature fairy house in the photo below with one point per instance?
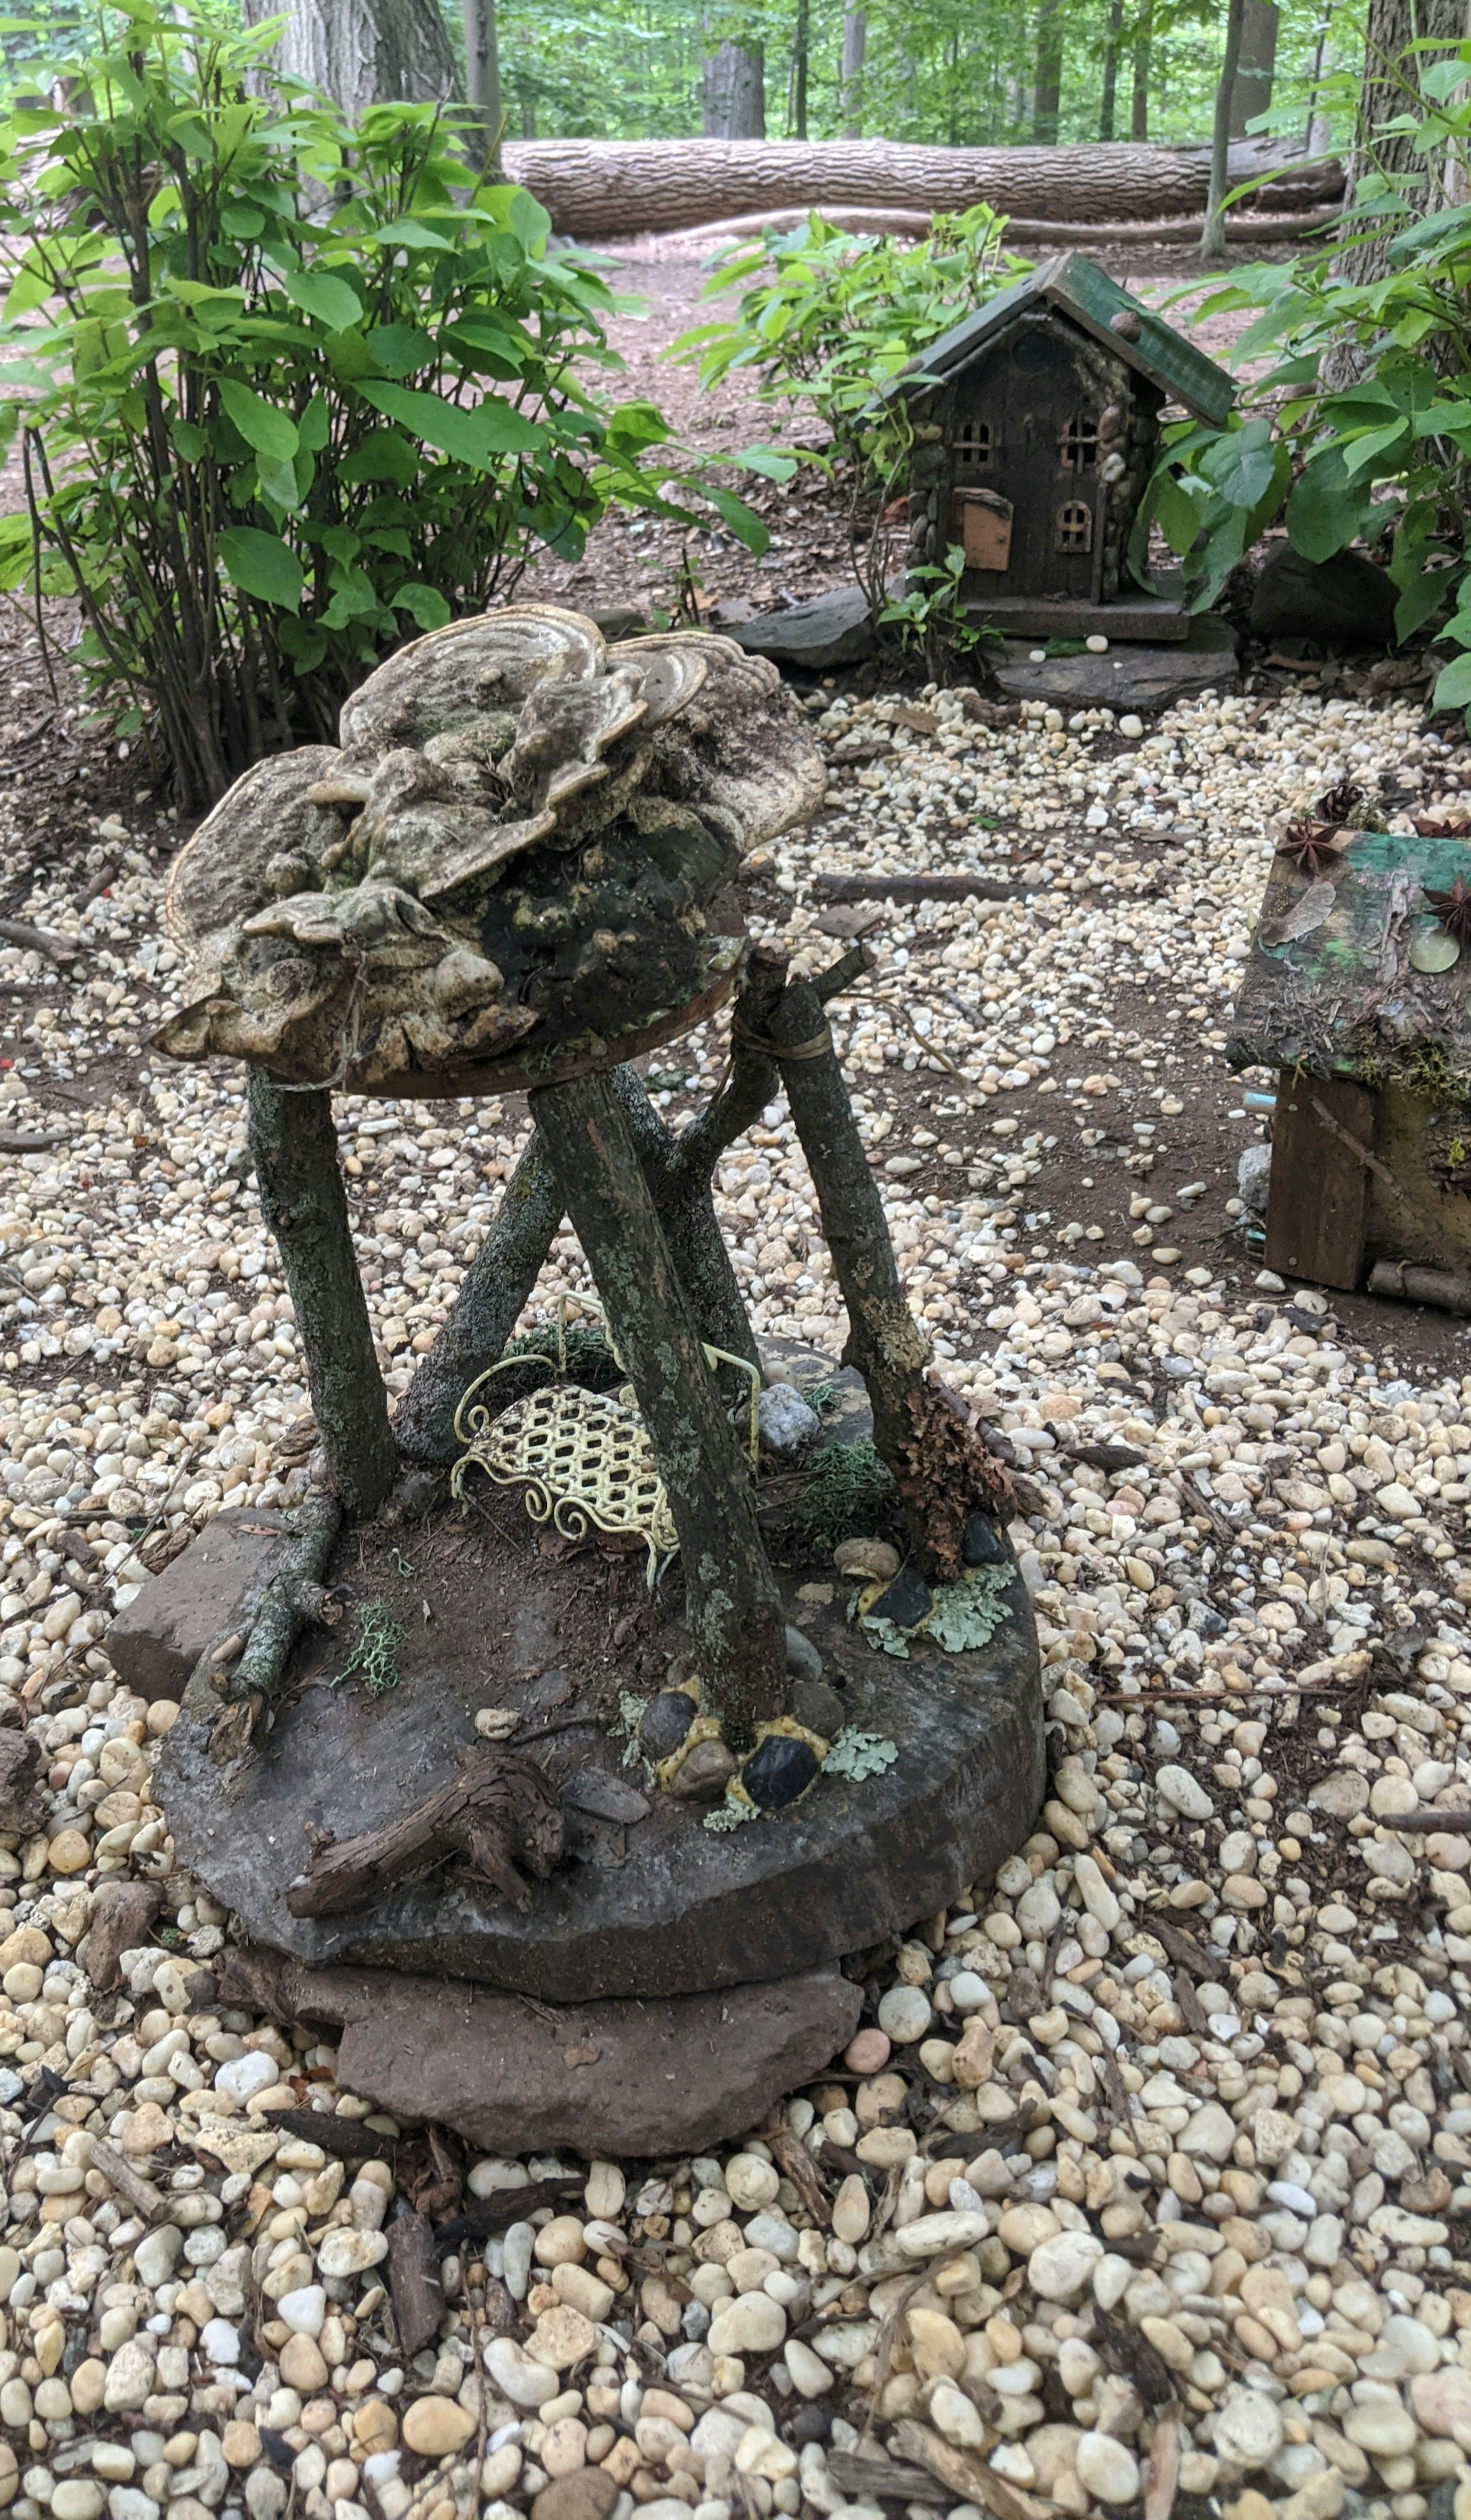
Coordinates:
(1036, 426)
(1359, 993)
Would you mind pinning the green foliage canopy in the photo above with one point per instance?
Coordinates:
(290, 389)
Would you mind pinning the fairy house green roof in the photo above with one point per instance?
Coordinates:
(1074, 285)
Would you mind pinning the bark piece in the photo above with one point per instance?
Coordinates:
(122, 1919)
(294, 1149)
(1317, 1195)
(414, 2284)
(210, 1587)
(619, 188)
(499, 1813)
(732, 1605)
(119, 2172)
(22, 1804)
(671, 2076)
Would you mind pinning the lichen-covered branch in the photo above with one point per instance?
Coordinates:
(942, 1467)
(497, 1286)
(244, 1689)
(294, 1149)
(681, 1195)
(732, 1605)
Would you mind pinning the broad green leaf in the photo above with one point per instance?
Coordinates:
(381, 456)
(1177, 513)
(1420, 601)
(263, 565)
(743, 521)
(423, 604)
(322, 294)
(475, 435)
(409, 232)
(271, 431)
(1453, 688)
(399, 349)
(1325, 510)
(768, 461)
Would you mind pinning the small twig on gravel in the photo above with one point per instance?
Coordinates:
(1455, 1824)
(140, 2194)
(25, 1142)
(39, 941)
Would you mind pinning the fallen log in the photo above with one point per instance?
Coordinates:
(596, 188)
(1416, 1286)
(1019, 232)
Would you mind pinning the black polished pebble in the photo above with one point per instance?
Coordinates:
(905, 1602)
(981, 1544)
(782, 1769)
(664, 1722)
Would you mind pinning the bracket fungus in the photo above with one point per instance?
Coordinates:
(509, 874)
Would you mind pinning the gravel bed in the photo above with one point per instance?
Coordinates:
(1146, 2182)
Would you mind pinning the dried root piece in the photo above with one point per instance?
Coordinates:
(500, 1815)
(946, 1472)
(505, 875)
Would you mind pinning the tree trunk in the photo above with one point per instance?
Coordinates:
(1389, 88)
(294, 1149)
(1139, 102)
(596, 188)
(801, 35)
(1047, 93)
(1251, 92)
(363, 52)
(734, 90)
(483, 75)
(855, 43)
(1315, 135)
(733, 1607)
(1213, 233)
(1108, 103)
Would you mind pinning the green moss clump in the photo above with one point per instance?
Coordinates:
(847, 1495)
(590, 1359)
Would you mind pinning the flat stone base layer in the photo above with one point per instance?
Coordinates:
(645, 2079)
(1126, 677)
(651, 1902)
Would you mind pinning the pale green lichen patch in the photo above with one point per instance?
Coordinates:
(960, 1617)
(856, 1754)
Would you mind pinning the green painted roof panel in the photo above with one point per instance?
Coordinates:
(1082, 289)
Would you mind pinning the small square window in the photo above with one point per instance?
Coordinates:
(1075, 526)
(1078, 446)
(975, 448)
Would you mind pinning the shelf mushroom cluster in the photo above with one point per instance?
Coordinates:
(509, 873)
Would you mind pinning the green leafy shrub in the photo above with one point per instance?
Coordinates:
(830, 318)
(292, 390)
(1383, 459)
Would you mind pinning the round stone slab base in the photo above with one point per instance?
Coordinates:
(651, 1902)
(647, 2079)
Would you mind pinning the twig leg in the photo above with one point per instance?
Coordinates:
(733, 1606)
(294, 1149)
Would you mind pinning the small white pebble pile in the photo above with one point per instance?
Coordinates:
(1148, 2181)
